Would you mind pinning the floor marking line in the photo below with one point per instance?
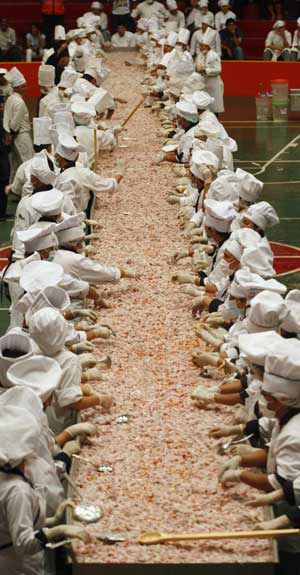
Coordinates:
(280, 183)
(272, 160)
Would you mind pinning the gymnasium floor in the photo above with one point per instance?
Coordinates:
(270, 151)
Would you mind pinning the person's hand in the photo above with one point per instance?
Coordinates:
(71, 447)
(231, 464)
(221, 431)
(60, 512)
(68, 532)
(278, 523)
(103, 332)
(266, 499)
(203, 395)
(93, 223)
(105, 401)
(88, 314)
(92, 236)
(231, 476)
(89, 251)
(184, 278)
(82, 347)
(7, 189)
(179, 255)
(93, 374)
(129, 273)
(84, 428)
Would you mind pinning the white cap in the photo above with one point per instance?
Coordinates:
(71, 228)
(3, 71)
(68, 148)
(19, 346)
(278, 24)
(209, 129)
(48, 203)
(83, 111)
(68, 78)
(250, 284)
(259, 259)
(41, 134)
(19, 436)
(15, 77)
(59, 33)
(172, 4)
(101, 100)
(202, 99)
(262, 215)
(255, 349)
(40, 274)
(58, 108)
(193, 83)
(282, 374)
(234, 248)
(251, 187)
(209, 37)
(171, 39)
(187, 110)
(49, 329)
(63, 117)
(38, 238)
(39, 373)
(39, 168)
(46, 75)
(51, 296)
(223, 3)
(96, 5)
(219, 215)
(222, 189)
(267, 311)
(291, 322)
(203, 4)
(205, 158)
(216, 147)
(183, 36)
(26, 399)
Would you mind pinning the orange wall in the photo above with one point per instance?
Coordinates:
(240, 78)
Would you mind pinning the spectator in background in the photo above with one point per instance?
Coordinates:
(191, 13)
(122, 38)
(223, 15)
(274, 9)
(120, 14)
(278, 43)
(295, 51)
(8, 48)
(175, 18)
(231, 40)
(53, 12)
(35, 44)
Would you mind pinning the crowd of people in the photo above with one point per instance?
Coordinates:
(247, 319)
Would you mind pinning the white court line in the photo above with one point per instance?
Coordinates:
(262, 161)
(280, 183)
(272, 160)
(289, 219)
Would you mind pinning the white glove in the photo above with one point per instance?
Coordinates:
(84, 428)
(189, 289)
(230, 464)
(103, 332)
(89, 314)
(7, 189)
(93, 374)
(160, 158)
(129, 273)
(59, 513)
(88, 360)
(92, 236)
(172, 200)
(179, 255)
(223, 430)
(184, 278)
(68, 532)
(71, 447)
(89, 251)
(93, 223)
(231, 476)
(266, 498)
(118, 129)
(105, 400)
(278, 523)
(203, 394)
(82, 346)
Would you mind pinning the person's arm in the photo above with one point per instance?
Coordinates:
(257, 480)
(20, 519)
(257, 459)
(85, 403)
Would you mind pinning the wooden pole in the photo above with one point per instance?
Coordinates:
(136, 107)
(95, 150)
(153, 538)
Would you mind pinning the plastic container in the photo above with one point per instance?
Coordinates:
(280, 110)
(280, 89)
(295, 100)
(263, 108)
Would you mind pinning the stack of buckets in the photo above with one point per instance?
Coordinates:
(280, 100)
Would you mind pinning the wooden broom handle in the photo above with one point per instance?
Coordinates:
(136, 107)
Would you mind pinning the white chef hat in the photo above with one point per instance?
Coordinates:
(222, 189)
(223, 3)
(49, 329)
(40, 274)
(143, 24)
(205, 158)
(83, 111)
(259, 260)
(202, 99)
(234, 248)
(209, 37)
(68, 78)
(61, 128)
(19, 436)
(262, 215)
(48, 203)
(50, 296)
(219, 215)
(174, 86)
(187, 110)
(251, 187)
(46, 75)
(278, 24)
(251, 284)
(171, 39)
(41, 134)
(13, 348)
(246, 237)
(40, 168)
(15, 77)
(59, 33)
(193, 83)
(3, 71)
(282, 374)
(96, 5)
(216, 147)
(38, 238)
(203, 4)
(172, 4)
(39, 373)
(63, 117)
(26, 399)
(255, 349)
(206, 128)
(291, 322)
(267, 311)
(101, 100)
(68, 148)
(71, 228)
(59, 108)
(183, 36)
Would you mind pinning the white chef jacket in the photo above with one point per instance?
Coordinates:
(208, 16)
(83, 181)
(48, 101)
(85, 136)
(296, 40)
(178, 18)
(284, 452)
(276, 39)
(79, 266)
(147, 10)
(212, 75)
(16, 115)
(196, 39)
(221, 19)
(126, 41)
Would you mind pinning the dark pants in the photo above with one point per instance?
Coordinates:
(13, 54)
(124, 20)
(3, 199)
(289, 564)
(49, 23)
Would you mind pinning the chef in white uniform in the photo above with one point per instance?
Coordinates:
(208, 63)
(16, 121)
(278, 43)
(84, 116)
(223, 15)
(295, 50)
(148, 9)
(123, 38)
(204, 13)
(198, 35)
(176, 18)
